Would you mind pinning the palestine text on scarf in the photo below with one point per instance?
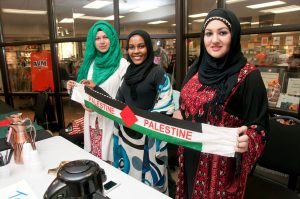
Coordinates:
(171, 130)
(102, 105)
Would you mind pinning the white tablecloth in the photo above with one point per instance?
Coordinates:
(56, 149)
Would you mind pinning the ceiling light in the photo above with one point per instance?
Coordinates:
(157, 22)
(112, 17)
(143, 9)
(18, 11)
(97, 4)
(246, 22)
(199, 20)
(174, 24)
(198, 15)
(280, 33)
(91, 18)
(98, 18)
(233, 1)
(76, 15)
(277, 24)
(67, 20)
(255, 23)
(285, 9)
(263, 5)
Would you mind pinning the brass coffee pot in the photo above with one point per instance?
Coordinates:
(19, 136)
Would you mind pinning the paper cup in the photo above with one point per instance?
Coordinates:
(4, 171)
(34, 163)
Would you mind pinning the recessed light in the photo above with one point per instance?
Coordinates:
(91, 18)
(76, 15)
(285, 9)
(233, 1)
(97, 4)
(263, 5)
(143, 9)
(67, 20)
(198, 15)
(18, 11)
(157, 22)
(199, 20)
(112, 17)
(246, 22)
(98, 18)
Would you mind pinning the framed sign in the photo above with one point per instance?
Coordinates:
(276, 41)
(289, 40)
(288, 102)
(293, 87)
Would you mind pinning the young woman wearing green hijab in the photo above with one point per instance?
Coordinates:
(103, 66)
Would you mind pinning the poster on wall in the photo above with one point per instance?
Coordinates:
(41, 71)
(289, 40)
(293, 87)
(264, 41)
(276, 41)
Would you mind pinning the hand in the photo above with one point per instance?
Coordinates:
(86, 108)
(177, 115)
(242, 140)
(88, 83)
(70, 84)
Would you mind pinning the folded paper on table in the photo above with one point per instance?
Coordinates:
(20, 189)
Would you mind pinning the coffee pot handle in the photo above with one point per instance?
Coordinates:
(32, 132)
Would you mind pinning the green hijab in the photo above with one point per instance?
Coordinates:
(105, 63)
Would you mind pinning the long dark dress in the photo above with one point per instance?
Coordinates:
(211, 176)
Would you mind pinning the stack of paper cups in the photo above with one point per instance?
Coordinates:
(31, 158)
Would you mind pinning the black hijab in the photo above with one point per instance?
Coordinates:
(137, 73)
(220, 73)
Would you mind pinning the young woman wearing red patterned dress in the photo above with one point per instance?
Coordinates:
(222, 89)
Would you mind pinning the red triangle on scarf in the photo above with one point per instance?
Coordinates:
(128, 116)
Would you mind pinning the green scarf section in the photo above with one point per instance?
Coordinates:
(105, 63)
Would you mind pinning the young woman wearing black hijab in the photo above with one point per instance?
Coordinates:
(222, 89)
(145, 86)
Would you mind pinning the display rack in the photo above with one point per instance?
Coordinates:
(283, 88)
